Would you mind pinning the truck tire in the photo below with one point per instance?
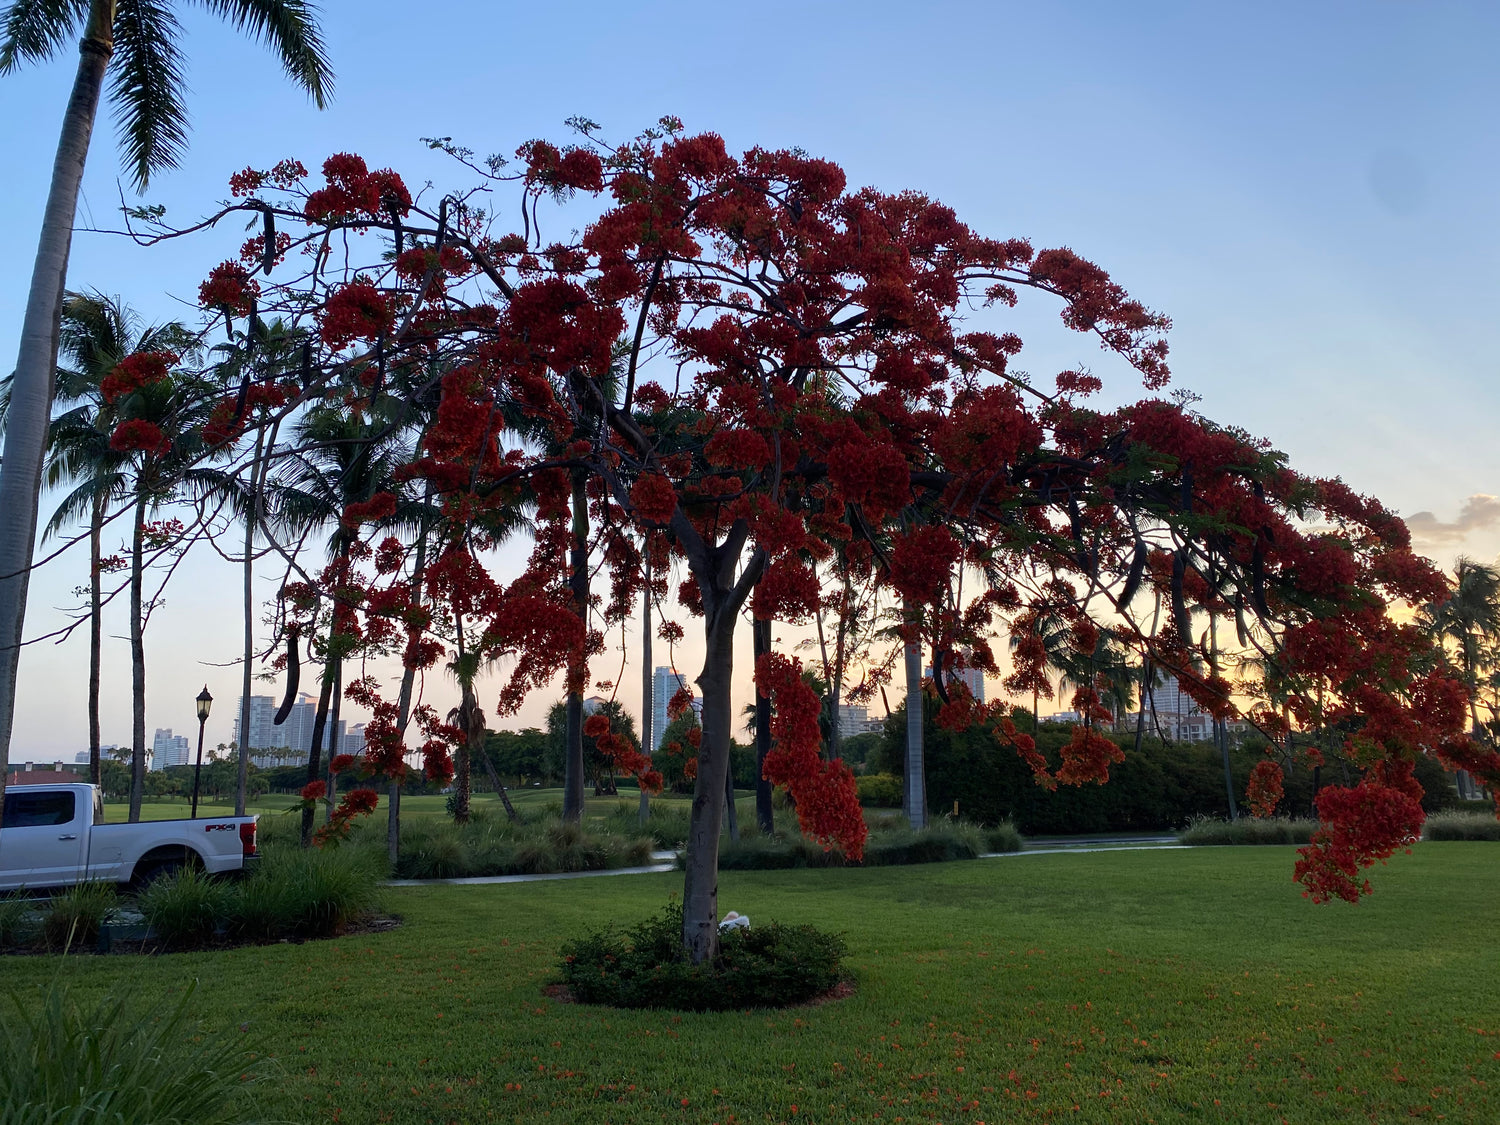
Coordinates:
(153, 866)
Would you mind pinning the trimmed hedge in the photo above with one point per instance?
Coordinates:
(1249, 830)
(1462, 826)
(769, 966)
(891, 847)
(879, 790)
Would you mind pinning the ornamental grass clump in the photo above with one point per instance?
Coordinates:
(187, 907)
(18, 918)
(768, 966)
(75, 916)
(443, 850)
(1207, 832)
(887, 846)
(65, 1064)
(666, 822)
(311, 893)
(1462, 826)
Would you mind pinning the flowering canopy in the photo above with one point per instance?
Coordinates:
(761, 374)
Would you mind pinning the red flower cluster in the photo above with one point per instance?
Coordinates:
(356, 802)
(231, 288)
(654, 498)
(1265, 789)
(921, 562)
(576, 169)
(357, 311)
(140, 435)
(283, 175)
(824, 791)
(1360, 826)
(354, 191)
(381, 506)
(137, 370)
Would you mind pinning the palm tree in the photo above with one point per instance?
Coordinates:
(97, 333)
(149, 94)
(341, 458)
(1469, 616)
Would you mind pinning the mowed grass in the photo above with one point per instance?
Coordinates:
(1167, 986)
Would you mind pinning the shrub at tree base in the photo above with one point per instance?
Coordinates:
(60, 1062)
(1462, 826)
(767, 966)
(1206, 832)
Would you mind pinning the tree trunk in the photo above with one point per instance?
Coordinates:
(408, 683)
(489, 768)
(579, 582)
(137, 665)
(96, 636)
(700, 895)
(648, 702)
(252, 514)
(731, 813)
(914, 791)
(335, 741)
(36, 366)
(315, 746)
(760, 634)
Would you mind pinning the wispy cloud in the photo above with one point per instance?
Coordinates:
(1479, 512)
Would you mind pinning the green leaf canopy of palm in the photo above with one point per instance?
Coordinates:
(148, 84)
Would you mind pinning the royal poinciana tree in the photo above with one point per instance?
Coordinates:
(753, 370)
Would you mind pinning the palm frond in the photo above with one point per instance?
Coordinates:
(290, 27)
(148, 88)
(33, 30)
(77, 506)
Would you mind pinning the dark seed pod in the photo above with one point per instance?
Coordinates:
(1179, 606)
(1258, 579)
(396, 222)
(937, 676)
(268, 252)
(306, 364)
(240, 400)
(293, 674)
(1133, 578)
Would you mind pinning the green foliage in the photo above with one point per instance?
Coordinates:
(1161, 787)
(1003, 838)
(600, 769)
(76, 915)
(666, 822)
(432, 849)
(17, 918)
(520, 754)
(62, 1062)
(1462, 826)
(311, 893)
(187, 906)
(675, 750)
(879, 790)
(766, 966)
(1208, 832)
(939, 842)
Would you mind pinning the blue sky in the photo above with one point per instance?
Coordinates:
(1308, 190)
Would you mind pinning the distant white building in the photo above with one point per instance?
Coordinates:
(168, 749)
(354, 740)
(665, 683)
(856, 720)
(972, 678)
(1176, 715)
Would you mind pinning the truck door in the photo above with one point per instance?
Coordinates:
(43, 839)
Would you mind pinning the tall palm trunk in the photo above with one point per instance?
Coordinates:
(315, 746)
(914, 792)
(96, 635)
(137, 664)
(252, 515)
(648, 679)
(408, 683)
(760, 641)
(579, 581)
(36, 366)
(335, 741)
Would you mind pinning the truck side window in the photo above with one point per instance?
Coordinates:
(33, 810)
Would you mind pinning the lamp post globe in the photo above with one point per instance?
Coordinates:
(205, 701)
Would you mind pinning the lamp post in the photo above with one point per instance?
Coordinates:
(205, 701)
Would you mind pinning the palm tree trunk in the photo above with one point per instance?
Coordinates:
(315, 746)
(579, 581)
(648, 703)
(760, 639)
(408, 683)
(335, 741)
(242, 777)
(137, 665)
(36, 366)
(914, 792)
(96, 635)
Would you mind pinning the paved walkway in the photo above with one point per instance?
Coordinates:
(666, 861)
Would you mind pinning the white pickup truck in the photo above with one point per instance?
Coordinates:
(55, 835)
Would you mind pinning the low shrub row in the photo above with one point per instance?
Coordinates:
(292, 894)
(644, 967)
(1207, 832)
(434, 849)
(886, 847)
(1462, 826)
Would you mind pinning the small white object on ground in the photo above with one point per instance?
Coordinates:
(733, 921)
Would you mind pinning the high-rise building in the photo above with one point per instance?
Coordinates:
(972, 678)
(168, 749)
(1175, 713)
(354, 740)
(264, 735)
(665, 683)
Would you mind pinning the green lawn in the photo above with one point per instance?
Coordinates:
(1137, 986)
